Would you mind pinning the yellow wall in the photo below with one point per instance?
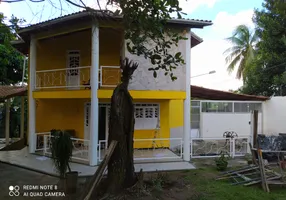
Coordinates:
(69, 114)
(176, 116)
(60, 114)
(52, 52)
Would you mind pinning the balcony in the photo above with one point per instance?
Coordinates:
(76, 78)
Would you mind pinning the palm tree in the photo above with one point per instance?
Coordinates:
(242, 51)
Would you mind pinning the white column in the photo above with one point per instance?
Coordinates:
(32, 102)
(93, 143)
(22, 117)
(187, 102)
(7, 121)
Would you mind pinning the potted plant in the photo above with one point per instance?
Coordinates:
(222, 161)
(61, 148)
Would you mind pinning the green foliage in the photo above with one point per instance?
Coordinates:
(266, 75)
(147, 33)
(11, 61)
(61, 148)
(15, 117)
(222, 161)
(242, 52)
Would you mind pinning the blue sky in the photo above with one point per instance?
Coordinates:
(208, 56)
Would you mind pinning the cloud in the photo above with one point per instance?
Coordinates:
(209, 56)
(191, 5)
(5, 9)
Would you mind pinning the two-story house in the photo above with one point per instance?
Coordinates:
(73, 69)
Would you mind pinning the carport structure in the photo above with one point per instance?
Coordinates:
(215, 115)
(6, 94)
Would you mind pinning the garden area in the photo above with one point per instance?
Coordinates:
(198, 184)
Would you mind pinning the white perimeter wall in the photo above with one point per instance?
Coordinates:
(213, 125)
(274, 116)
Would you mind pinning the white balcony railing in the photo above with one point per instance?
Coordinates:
(80, 146)
(76, 78)
(151, 149)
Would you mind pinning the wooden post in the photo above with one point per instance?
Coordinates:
(22, 117)
(7, 121)
(262, 171)
(255, 126)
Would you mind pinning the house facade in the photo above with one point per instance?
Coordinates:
(73, 69)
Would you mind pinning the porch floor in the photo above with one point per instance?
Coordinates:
(43, 164)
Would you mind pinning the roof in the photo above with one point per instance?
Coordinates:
(195, 39)
(103, 14)
(211, 94)
(12, 91)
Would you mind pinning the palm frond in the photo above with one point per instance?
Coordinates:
(240, 69)
(232, 49)
(233, 63)
(232, 55)
(235, 41)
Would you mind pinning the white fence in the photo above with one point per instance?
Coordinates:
(212, 147)
(80, 146)
(151, 149)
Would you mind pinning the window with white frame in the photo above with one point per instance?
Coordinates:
(73, 62)
(221, 107)
(195, 114)
(146, 116)
(241, 107)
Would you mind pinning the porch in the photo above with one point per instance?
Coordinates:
(145, 150)
(42, 164)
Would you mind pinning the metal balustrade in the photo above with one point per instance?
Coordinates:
(76, 78)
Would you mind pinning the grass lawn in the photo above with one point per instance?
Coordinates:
(200, 184)
(203, 183)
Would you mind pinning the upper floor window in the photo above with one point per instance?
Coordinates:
(73, 62)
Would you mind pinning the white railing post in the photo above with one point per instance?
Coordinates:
(233, 147)
(181, 153)
(45, 145)
(191, 144)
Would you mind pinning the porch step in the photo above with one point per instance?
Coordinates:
(18, 145)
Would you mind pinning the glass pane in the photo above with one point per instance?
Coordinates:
(195, 103)
(241, 107)
(195, 117)
(255, 106)
(195, 125)
(217, 107)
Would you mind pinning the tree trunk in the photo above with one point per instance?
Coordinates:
(121, 128)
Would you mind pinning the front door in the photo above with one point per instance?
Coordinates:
(102, 123)
(73, 71)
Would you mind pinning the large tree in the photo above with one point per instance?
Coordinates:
(241, 53)
(266, 76)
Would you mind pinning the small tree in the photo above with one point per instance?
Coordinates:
(61, 148)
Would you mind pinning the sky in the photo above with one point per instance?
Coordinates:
(205, 57)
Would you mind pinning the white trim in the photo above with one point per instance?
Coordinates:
(32, 102)
(94, 99)
(187, 101)
(63, 69)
